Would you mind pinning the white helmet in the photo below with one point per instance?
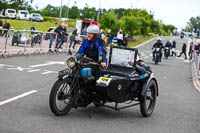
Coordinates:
(94, 29)
(159, 39)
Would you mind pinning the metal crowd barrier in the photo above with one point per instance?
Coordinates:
(26, 42)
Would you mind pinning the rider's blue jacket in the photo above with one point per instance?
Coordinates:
(93, 49)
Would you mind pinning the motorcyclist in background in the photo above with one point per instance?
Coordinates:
(94, 47)
(158, 44)
(168, 45)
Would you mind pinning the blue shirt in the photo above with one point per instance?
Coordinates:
(85, 45)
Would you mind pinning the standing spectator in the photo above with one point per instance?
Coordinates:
(84, 31)
(7, 27)
(109, 38)
(173, 48)
(120, 37)
(52, 37)
(1, 27)
(183, 50)
(64, 36)
(102, 35)
(125, 41)
(60, 38)
(197, 47)
(84, 34)
(73, 39)
(190, 51)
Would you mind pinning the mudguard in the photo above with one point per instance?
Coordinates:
(64, 74)
(146, 83)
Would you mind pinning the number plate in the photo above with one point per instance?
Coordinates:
(63, 72)
(157, 49)
(104, 81)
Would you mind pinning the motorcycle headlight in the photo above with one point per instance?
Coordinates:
(71, 62)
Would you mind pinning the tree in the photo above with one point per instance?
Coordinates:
(74, 12)
(194, 23)
(109, 21)
(88, 13)
(131, 24)
(50, 11)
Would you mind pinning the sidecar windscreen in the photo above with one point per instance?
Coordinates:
(123, 57)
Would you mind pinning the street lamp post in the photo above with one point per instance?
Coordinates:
(25, 15)
(60, 12)
(68, 10)
(99, 11)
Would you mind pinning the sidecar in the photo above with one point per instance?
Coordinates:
(122, 83)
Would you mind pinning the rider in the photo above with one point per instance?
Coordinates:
(93, 46)
(168, 45)
(158, 44)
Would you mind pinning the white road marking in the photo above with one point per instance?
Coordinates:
(4, 65)
(34, 70)
(18, 97)
(48, 63)
(48, 72)
(19, 68)
(187, 61)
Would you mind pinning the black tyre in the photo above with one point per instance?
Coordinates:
(148, 102)
(59, 94)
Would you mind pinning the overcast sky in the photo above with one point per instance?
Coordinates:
(176, 12)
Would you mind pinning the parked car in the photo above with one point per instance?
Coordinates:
(36, 17)
(10, 13)
(23, 15)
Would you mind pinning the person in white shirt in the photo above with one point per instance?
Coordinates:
(120, 37)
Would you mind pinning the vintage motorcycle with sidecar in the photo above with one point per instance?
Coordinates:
(83, 83)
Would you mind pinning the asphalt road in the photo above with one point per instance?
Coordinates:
(31, 79)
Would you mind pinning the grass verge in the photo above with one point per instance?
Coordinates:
(140, 40)
(41, 26)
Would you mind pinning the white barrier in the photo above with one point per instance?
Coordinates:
(7, 47)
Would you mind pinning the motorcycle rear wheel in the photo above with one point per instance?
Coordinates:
(59, 93)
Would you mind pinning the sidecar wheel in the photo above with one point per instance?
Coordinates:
(148, 102)
(59, 93)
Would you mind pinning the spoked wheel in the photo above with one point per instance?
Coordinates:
(148, 101)
(60, 101)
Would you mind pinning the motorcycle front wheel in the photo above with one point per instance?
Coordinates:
(60, 101)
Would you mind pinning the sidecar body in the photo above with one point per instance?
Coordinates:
(121, 82)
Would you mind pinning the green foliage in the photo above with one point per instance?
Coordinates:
(135, 21)
(131, 24)
(41, 26)
(109, 20)
(194, 23)
(88, 12)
